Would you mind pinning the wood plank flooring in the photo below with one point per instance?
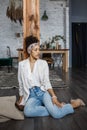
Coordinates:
(76, 81)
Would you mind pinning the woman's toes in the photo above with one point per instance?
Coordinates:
(81, 102)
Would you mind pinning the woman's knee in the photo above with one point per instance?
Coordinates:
(27, 111)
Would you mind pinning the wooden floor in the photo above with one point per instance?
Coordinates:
(77, 88)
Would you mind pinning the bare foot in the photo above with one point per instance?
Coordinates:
(77, 103)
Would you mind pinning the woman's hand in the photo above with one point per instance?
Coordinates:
(56, 102)
(17, 104)
(54, 98)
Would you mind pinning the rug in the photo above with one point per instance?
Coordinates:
(55, 80)
(9, 80)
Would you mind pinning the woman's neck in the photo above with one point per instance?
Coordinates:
(32, 60)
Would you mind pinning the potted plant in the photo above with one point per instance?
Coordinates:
(56, 38)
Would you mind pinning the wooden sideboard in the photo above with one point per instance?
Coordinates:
(64, 53)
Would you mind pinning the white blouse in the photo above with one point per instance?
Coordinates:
(27, 79)
(33, 79)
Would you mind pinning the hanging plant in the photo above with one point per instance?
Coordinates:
(44, 17)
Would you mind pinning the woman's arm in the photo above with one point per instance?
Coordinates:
(54, 98)
(20, 80)
(17, 104)
(51, 92)
(49, 87)
(20, 99)
(46, 79)
(20, 85)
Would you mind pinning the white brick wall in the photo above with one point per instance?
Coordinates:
(7, 32)
(55, 25)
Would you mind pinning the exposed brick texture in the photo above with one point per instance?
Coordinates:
(57, 24)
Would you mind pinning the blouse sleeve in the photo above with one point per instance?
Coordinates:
(20, 80)
(47, 83)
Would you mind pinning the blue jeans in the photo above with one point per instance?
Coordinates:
(40, 103)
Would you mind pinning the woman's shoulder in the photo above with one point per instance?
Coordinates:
(23, 62)
(41, 61)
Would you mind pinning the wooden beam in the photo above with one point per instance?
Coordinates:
(31, 20)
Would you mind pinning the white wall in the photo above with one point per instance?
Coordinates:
(55, 25)
(7, 32)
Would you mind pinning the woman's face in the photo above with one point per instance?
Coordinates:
(35, 52)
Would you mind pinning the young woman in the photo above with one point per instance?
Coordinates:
(35, 90)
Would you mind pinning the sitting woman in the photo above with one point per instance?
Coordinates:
(35, 90)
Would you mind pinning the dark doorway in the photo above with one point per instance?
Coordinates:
(79, 45)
